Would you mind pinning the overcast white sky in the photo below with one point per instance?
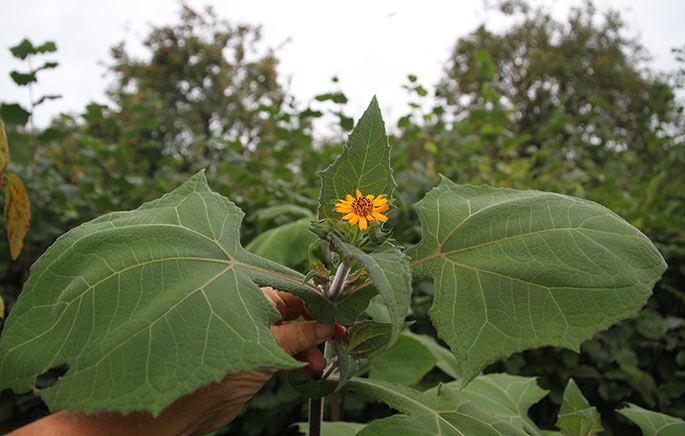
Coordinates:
(371, 45)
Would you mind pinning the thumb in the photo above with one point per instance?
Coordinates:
(296, 337)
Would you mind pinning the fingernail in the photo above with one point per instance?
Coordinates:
(324, 331)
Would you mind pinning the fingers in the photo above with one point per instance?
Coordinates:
(290, 306)
(296, 337)
(314, 359)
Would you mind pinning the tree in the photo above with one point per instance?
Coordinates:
(578, 86)
(202, 89)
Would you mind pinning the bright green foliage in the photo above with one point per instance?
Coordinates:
(364, 165)
(653, 423)
(406, 362)
(440, 412)
(295, 236)
(522, 269)
(390, 273)
(577, 417)
(444, 359)
(145, 306)
(338, 428)
(505, 396)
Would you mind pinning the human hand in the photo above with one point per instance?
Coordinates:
(210, 407)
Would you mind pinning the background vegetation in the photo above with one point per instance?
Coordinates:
(568, 107)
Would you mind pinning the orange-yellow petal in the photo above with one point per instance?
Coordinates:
(380, 216)
(343, 209)
(380, 200)
(355, 218)
(381, 208)
(359, 194)
(349, 198)
(348, 216)
(362, 223)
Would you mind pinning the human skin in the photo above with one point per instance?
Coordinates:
(210, 407)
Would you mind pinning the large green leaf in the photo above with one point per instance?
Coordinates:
(364, 164)
(653, 423)
(444, 359)
(391, 276)
(576, 416)
(443, 411)
(505, 396)
(514, 270)
(145, 306)
(406, 362)
(287, 244)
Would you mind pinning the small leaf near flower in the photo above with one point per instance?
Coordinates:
(363, 209)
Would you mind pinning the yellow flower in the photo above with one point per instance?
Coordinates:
(363, 209)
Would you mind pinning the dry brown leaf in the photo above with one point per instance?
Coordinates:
(17, 214)
(4, 154)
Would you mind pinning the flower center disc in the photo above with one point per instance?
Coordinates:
(362, 206)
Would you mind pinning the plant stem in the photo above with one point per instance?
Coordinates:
(339, 281)
(331, 368)
(316, 406)
(315, 416)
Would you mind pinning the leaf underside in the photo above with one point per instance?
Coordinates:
(576, 416)
(515, 270)
(506, 397)
(441, 411)
(653, 423)
(146, 306)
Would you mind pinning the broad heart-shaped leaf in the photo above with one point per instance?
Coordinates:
(653, 423)
(514, 270)
(17, 214)
(391, 276)
(576, 416)
(364, 164)
(145, 306)
(443, 411)
(506, 396)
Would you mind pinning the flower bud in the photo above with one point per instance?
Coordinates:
(321, 228)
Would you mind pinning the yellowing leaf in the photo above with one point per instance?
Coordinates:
(4, 153)
(17, 214)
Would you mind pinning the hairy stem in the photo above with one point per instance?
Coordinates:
(339, 282)
(330, 369)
